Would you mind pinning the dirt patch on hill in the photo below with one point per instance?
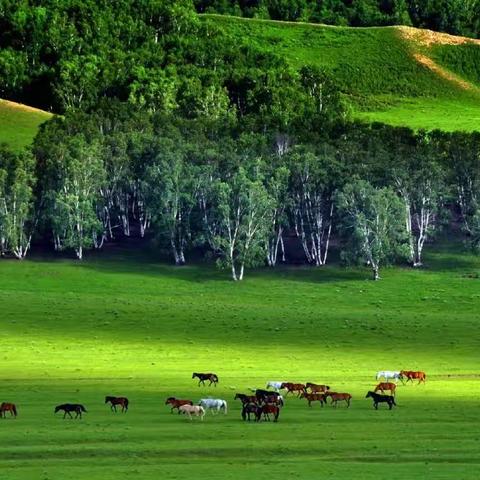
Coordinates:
(21, 106)
(429, 37)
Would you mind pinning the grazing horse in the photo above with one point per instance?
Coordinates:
(211, 377)
(275, 385)
(114, 401)
(249, 409)
(390, 399)
(245, 399)
(293, 387)
(177, 403)
(314, 388)
(386, 386)
(388, 374)
(8, 407)
(214, 405)
(411, 375)
(314, 397)
(71, 407)
(190, 410)
(339, 397)
(266, 410)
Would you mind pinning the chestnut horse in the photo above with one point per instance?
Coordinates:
(314, 397)
(293, 387)
(266, 410)
(177, 403)
(211, 377)
(114, 401)
(8, 407)
(412, 375)
(386, 386)
(339, 397)
(314, 388)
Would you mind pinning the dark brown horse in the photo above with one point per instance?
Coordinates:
(114, 401)
(249, 409)
(177, 403)
(68, 408)
(339, 397)
(202, 377)
(293, 388)
(8, 407)
(314, 397)
(386, 386)
(388, 399)
(266, 410)
(314, 388)
(412, 375)
(246, 398)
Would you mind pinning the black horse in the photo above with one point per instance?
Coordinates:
(211, 377)
(249, 409)
(381, 399)
(262, 394)
(68, 408)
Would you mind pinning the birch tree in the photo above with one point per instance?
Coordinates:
(372, 220)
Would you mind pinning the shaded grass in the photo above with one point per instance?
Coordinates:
(122, 325)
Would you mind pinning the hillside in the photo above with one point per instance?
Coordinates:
(396, 75)
(19, 123)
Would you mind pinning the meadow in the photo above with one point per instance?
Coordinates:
(126, 324)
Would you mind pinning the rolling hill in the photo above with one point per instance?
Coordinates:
(19, 123)
(397, 75)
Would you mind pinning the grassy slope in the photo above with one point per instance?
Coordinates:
(127, 326)
(377, 71)
(19, 123)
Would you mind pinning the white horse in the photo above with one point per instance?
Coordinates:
(214, 405)
(389, 375)
(196, 410)
(276, 385)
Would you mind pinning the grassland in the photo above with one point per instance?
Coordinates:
(126, 325)
(380, 70)
(19, 123)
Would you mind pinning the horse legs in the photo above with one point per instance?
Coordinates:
(375, 404)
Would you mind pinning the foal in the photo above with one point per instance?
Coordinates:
(211, 377)
(114, 401)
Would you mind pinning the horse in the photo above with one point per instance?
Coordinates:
(314, 388)
(293, 387)
(275, 385)
(246, 398)
(273, 400)
(388, 374)
(177, 403)
(214, 405)
(8, 407)
(71, 407)
(314, 397)
(114, 401)
(390, 399)
(266, 410)
(339, 397)
(261, 394)
(412, 375)
(196, 410)
(211, 377)
(386, 386)
(248, 409)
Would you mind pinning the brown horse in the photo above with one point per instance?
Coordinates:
(114, 401)
(245, 399)
(339, 397)
(314, 388)
(411, 375)
(266, 410)
(8, 407)
(211, 377)
(386, 386)
(177, 403)
(293, 388)
(314, 397)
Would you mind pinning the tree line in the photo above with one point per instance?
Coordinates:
(457, 17)
(381, 192)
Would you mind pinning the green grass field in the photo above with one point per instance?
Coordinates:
(125, 325)
(19, 124)
(377, 71)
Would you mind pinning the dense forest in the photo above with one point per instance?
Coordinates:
(458, 17)
(171, 130)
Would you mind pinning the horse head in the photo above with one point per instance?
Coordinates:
(369, 394)
(107, 399)
(57, 409)
(194, 375)
(169, 400)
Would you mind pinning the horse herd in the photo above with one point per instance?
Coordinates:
(260, 403)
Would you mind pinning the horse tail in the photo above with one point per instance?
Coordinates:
(225, 407)
(14, 408)
(126, 403)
